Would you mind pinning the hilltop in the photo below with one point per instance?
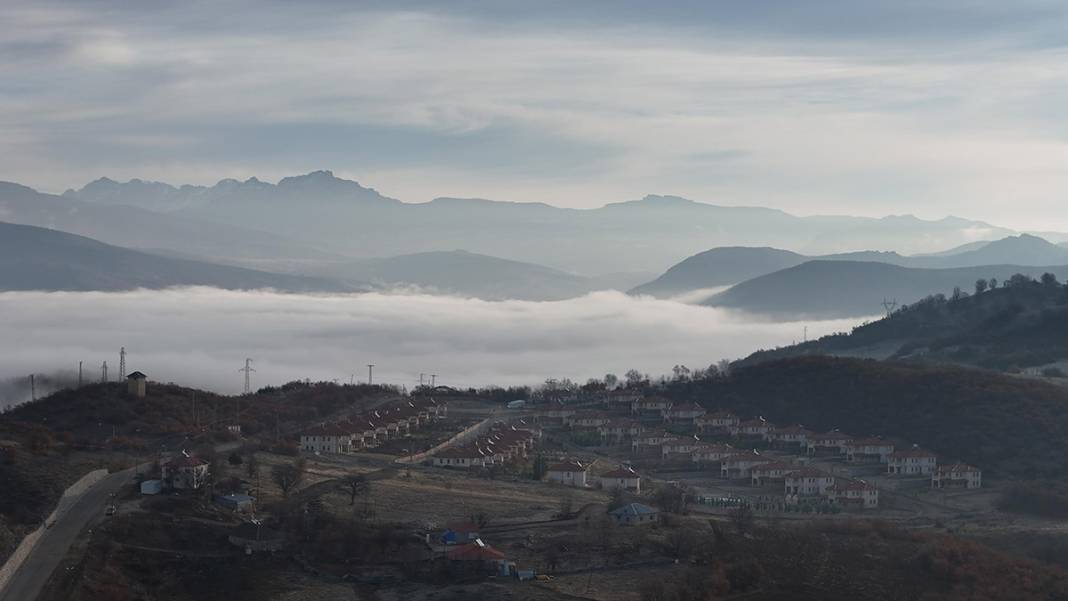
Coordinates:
(1013, 427)
(1022, 324)
(34, 258)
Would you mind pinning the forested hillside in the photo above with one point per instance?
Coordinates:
(1011, 427)
(1022, 324)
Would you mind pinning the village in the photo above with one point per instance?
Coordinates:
(553, 495)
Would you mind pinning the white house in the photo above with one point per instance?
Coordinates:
(958, 475)
(684, 414)
(718, 421)
(741, 464)
(808, 482)
(829, 443)
(568, 473)
(712, 453)
(767, 473)
(624, 478)
(911, 462)
(869, 450)
(752, 428)
(327, 438)
(185, 472)
(466, 456)
(789, 436)
(856, 494)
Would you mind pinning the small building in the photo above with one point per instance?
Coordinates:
(186, 472)
(478, 558)
(740, 465)
(461, 457)
(460, 533)
(768, 473)
(854, 494)
(255, 537)
(793, 437)
(684, 414)
(151, 487)
(624, 478)
(808, 482)
(568, 473)
(136, 384)
(649, 406)
(721, 422)
(869, 450)
(829, 443)
(752, 428)
(237, 502)
(958, 475)
(911, 462)
(634, 514)
(327, 438)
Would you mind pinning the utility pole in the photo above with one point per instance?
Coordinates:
(433, 380)
(33, 389)
(79, 374)
(421, 375)
(247, 369)
(806, 334)
(122, 363)
(104, 373)
(370, 371)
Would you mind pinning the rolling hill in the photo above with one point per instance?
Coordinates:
(34, 258)
(727, 266)
(470, 274)
(1023, 324)
(831, 289)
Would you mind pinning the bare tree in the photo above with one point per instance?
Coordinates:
(356, 485)
(288, 476)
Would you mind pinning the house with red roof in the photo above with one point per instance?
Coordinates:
(791, 437)
(184, 472)
(769, 473)
(752, 428)
(869, 450)
(478, 557)
(570, 472)
(711, 453)
(619, 430)
(855, 494)
(465, 456)
(828, 443)
(683, 414)
(740, 465)
(911, 462)
(957, 475)
(717, 422)
(807, 482)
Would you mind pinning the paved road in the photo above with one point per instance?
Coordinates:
(26, 583)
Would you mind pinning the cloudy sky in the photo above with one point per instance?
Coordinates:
(931, 108)
(201, 336)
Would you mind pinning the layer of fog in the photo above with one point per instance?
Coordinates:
(201, 336)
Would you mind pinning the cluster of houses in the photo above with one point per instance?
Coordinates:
(501, 444)
(651, 426)
(369, 429)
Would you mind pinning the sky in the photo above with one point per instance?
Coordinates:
(846, 107)
(201, 337)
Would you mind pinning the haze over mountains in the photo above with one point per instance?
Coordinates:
(650, 234)
(34, 258)
(348, 236)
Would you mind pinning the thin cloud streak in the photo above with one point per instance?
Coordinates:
(200, 336)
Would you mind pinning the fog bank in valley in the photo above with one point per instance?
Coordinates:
(201, 336)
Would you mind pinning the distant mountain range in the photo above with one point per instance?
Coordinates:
(34, 258)
(726, 266)
(342, 217)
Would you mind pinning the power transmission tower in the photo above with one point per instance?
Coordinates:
(421, 376)
(79, 374)
(370, 370)
(122, 363)
(889, 306)
(104, 373)
(33, 389)
(248, 370)
(433, 380)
